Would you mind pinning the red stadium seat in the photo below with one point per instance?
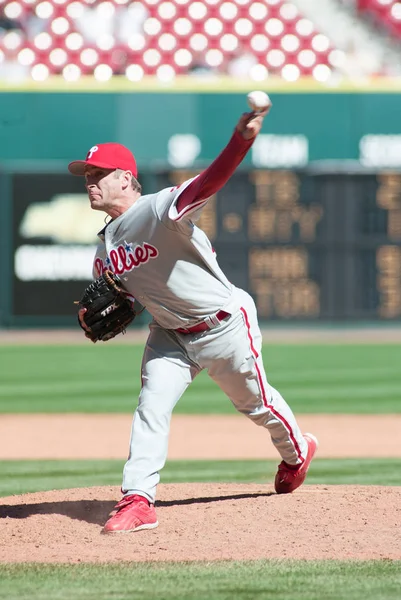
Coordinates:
(166, 37)
(385, 13)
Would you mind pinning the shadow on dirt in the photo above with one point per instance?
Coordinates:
(97, 511)
(212, 499)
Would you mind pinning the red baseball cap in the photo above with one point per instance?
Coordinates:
(106, 156)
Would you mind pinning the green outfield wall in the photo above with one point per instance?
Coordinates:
(305, 126)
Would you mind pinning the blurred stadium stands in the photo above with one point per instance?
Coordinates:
(325, 39)
(383, 12)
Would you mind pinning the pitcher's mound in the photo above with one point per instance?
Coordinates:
(206, 522)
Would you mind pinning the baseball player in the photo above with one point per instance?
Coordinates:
(200, 319)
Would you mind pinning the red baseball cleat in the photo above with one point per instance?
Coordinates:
(290, 477)
(134, 513)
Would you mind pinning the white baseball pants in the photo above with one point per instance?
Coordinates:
(231, 353)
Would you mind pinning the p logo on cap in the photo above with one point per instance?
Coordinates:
(91, 151)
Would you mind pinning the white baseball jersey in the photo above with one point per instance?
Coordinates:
(165, 261)
(168, 264)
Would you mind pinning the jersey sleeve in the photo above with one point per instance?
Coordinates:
(166, 204)
(177, 210)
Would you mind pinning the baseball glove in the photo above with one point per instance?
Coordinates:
(108, 310)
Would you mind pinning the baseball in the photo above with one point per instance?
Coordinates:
(258, 101)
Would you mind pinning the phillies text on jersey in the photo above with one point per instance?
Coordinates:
(125, 257)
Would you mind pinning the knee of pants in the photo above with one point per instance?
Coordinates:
(260, 414)
(153, 417)
(258, 418)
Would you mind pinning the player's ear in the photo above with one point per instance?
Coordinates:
(126, 179)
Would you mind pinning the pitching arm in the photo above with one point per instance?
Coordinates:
(212, 179)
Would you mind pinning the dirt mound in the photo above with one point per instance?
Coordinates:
(206, 522)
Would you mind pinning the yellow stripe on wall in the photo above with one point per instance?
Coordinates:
(188, 84)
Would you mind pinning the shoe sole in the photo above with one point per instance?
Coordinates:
(139, 528)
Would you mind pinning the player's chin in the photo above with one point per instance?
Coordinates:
(96, 203)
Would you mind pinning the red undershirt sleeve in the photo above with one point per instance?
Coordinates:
(212, 179)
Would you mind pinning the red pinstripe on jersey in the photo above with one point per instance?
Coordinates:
(262, 387)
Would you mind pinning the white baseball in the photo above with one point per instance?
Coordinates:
(258, 101)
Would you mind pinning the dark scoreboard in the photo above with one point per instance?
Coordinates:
(307, 245)
(311, 244)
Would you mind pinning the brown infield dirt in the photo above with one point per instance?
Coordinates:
(201, 521)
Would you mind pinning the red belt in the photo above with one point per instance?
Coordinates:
(221, 315)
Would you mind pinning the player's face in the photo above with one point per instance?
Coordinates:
(103, 187)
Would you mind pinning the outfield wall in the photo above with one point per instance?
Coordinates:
(307, 124)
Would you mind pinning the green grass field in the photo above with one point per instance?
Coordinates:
(105, 378)
(18, 477)
(313, 379)
(259, 580)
